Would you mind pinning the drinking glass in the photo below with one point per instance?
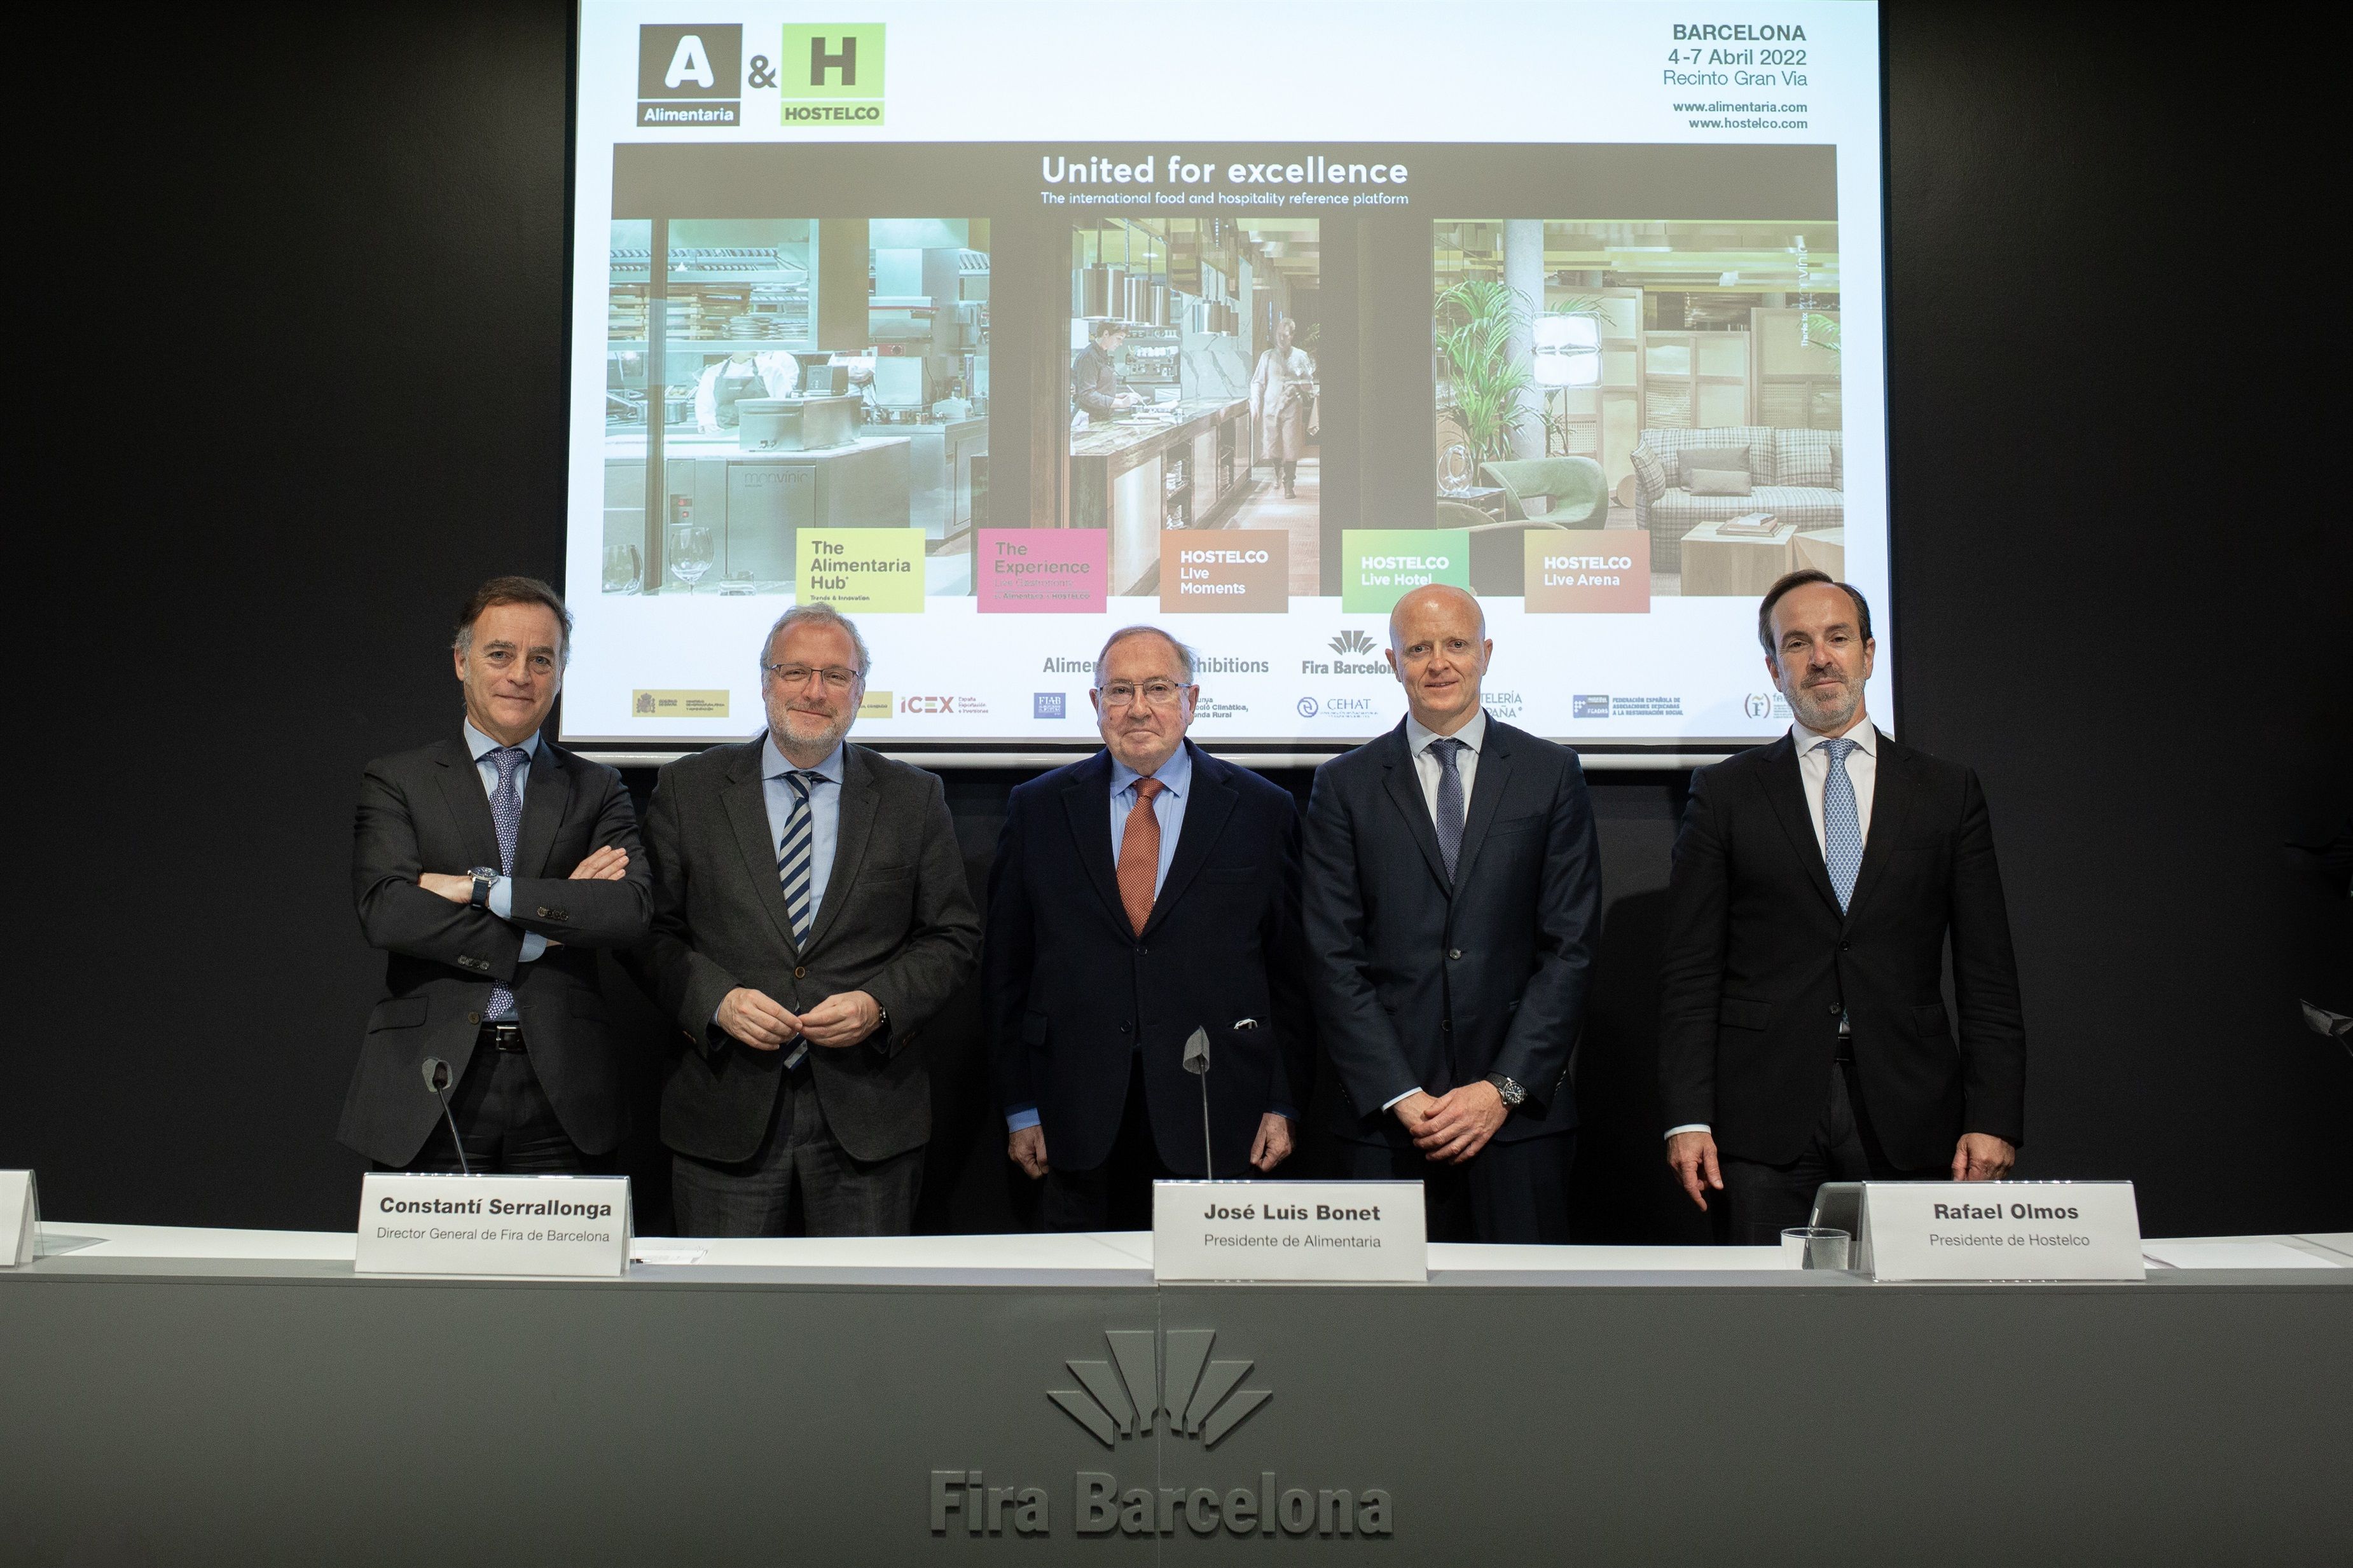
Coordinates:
(1818, 1247)
(623, 572)
(691, 552)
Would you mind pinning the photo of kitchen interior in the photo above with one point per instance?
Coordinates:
(1680, 378)
(1193, 385)
(806, 372)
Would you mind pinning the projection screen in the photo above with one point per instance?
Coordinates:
(1000, 326)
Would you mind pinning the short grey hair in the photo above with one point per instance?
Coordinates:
(1184, 654)
(819, 613)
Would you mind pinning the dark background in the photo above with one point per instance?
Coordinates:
(290, 291)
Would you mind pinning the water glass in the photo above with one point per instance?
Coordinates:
(1817, 1247)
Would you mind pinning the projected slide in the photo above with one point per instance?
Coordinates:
(1000, 326)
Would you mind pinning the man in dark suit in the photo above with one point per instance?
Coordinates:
(491, 866)
(810, 914)
(1453, 893)
(1802, 1033)
(1137, 895)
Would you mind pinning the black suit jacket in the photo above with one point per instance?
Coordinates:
(1073, 990)
(1420, 984)
(426, 811)
(1759, 963)
(898, 923)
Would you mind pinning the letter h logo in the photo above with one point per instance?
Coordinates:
(844, 85)
(846, 62)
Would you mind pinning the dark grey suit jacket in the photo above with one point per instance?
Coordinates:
(897, 922)
(426, 811)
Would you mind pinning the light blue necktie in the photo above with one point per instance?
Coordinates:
(793, 858)
(1842, 824)
(1449, 802)
(506, 815)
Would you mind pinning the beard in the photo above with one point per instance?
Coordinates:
(814, 732)
(1826, 708)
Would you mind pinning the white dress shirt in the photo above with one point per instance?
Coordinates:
(1428, 769)
(1814, 772)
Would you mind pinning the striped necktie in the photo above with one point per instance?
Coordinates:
(794, 853)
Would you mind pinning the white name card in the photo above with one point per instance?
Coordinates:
(569, 1226)
(20, 1218)
(2001, 1230)
(1289, 1230)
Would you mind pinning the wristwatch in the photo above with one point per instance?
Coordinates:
(1513, 1093)
(882, 1017)
(484, 877)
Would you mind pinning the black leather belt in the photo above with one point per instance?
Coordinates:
(501, 1037)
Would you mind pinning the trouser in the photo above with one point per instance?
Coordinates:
(799, 1182)
(1515, 1191)
(1761, 1201)
(1288, 471)
(1117, 1194)
(504, 1120)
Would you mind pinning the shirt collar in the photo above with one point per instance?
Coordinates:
(1419, 736)
(775, 764)
(1175, 775)
(480, 745)
(1865, 735)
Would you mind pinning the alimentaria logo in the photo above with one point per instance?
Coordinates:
(1167, 1385)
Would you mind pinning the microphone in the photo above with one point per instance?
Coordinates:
(436, 1083)
(1196, 1062)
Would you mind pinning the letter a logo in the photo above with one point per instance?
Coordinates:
(691, 63)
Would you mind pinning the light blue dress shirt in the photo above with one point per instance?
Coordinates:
(825, 812)
(501, 899)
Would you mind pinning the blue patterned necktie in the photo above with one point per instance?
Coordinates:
(506, 815)
(1842, 824)
(794, 856)
(1449, 802)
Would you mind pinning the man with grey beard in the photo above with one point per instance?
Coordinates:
(1802, 1036)
(810, 913)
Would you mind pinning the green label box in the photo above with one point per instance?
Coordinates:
(1378, 566)
(831, 75)
(877, 570)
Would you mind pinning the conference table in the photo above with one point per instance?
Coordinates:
(177, 1396)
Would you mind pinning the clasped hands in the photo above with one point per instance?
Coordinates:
(761, 1022)
(609, 864)
(1452, 1127)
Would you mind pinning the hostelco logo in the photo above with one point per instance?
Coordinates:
(1164, 1385)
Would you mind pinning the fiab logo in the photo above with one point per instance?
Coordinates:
(831, 75)
(690, 75)
(1195, 1393)
(1352, 641)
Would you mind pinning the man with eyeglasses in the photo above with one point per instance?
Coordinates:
(489, 866)
(810, 915)
(1145, 893)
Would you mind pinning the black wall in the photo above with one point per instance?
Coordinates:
(291, 318)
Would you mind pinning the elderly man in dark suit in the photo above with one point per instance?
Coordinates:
(1137, 895)
(1802, 1036)
(1454, 897)
(810, 914)
(490, 867)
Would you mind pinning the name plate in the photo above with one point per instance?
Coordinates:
(1289, 1230)
(563, 1226)
(2001, 1230)
(20, 1218)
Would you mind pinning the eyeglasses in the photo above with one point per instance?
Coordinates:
(835, 676)
(1159, 693)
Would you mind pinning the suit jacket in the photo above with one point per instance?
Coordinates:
(1759, 963)
(426, 811)
(1419, 983)
(1074, 991)
(898, 923)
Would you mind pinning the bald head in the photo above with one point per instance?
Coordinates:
(1438, 648)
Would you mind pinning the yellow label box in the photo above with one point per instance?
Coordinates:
(873, 570)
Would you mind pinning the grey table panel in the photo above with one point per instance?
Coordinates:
(289, 1413)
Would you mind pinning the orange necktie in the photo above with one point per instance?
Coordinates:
(1139, 854)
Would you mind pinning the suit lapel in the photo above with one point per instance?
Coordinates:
(1891, 799)
(1486, 797)
(545, 798)
(747, 813)
(1205, 818)
(1086, 806)
(860, 801)
(1786, 788)
(468, 804)
(1405, 792)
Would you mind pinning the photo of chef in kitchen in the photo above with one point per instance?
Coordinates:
(1194, 397)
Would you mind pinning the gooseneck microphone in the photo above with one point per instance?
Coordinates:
(1196, 1062)
(437, 1080)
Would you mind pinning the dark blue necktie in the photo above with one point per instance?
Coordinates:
(793, 858)
(1449, 802)
(506, 815)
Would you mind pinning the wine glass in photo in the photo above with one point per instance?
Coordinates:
(623, 572)
(691, 552)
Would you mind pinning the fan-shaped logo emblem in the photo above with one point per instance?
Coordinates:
(1352, 641)
(1127, 1395)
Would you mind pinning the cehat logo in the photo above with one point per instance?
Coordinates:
(691, 74)
(831, 75)
(1307, 708)
(1126, 1395)
(1352, 641)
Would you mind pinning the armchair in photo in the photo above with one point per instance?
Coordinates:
(1799, 476)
